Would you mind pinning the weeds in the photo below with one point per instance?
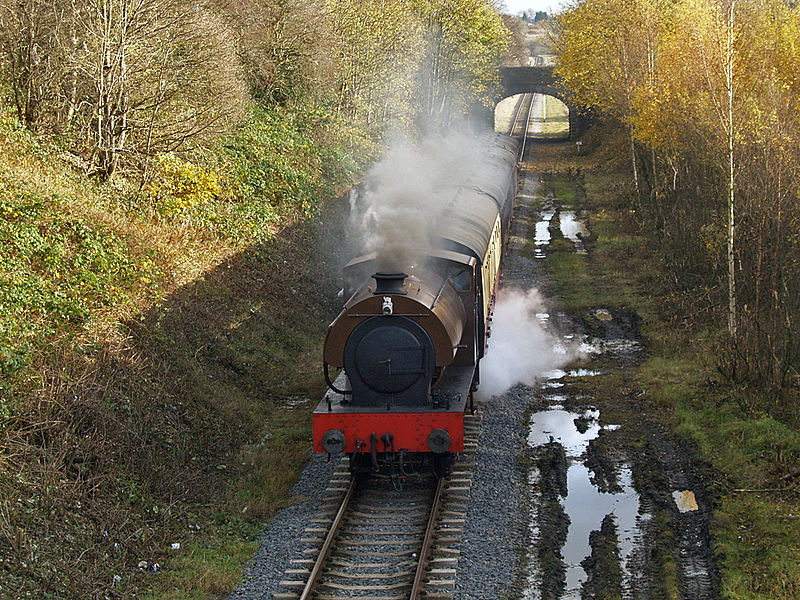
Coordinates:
(147, 342)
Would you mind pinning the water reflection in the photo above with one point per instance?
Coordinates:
(556, 374)
(598, 501)
(541, 237)
(571, 228)
(586, 507)
(619, 348)
(559, 425)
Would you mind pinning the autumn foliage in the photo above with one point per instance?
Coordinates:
(709, 95)
(126, 80)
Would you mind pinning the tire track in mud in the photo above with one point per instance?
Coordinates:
(603, 520)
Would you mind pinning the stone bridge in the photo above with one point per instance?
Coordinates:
(539, 80)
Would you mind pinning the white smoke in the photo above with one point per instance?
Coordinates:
(397, 213)
(521, 347)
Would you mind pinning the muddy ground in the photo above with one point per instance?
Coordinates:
(617, 508)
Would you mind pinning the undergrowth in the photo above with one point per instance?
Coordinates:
(158, 345)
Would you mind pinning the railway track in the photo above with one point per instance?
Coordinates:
(374, 540)
(520, 124)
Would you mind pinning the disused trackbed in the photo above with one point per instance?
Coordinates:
(373, 541)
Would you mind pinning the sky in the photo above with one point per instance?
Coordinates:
(516, 6)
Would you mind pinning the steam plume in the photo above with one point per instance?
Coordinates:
(521, 349)
(397, 213)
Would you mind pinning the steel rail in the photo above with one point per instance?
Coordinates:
(328, 543)
(517, 114)
(427, 541)
(527, 128)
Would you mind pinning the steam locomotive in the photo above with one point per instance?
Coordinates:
(409, 343)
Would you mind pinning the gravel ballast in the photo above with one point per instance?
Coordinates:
(264, 572)
(496, 521)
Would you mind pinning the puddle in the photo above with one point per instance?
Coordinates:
(552, 384)
(614, 347)
(571, 228)
(555, 374)
(542, 237)
(584, 373)
(618, 345)
(556, 424)
(591, 534)
(593, 499)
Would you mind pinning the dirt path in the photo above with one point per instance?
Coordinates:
(617, 508)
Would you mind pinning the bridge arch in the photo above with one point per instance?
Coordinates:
(540, 80)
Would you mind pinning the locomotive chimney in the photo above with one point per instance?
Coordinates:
(389, 283)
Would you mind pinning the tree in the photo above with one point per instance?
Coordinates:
(465, 41)
(710, 89)
(28, 41)
(708, 55)
(378, 47)
(605, 53)
(156, 73)
(124, 77)
(425, 60)
(518, 54)
(287, 47)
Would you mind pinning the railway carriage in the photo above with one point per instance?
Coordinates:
(409, 343)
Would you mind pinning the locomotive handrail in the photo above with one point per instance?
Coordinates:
(330, 383)
(441, 289)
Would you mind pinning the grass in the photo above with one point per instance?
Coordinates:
(151, 344)
(582, 280)
(207, 567)
(755, 522)
(757, 546)
(556, 124)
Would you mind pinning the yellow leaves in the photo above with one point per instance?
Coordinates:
(179, 185)
(653, 117)
(713, 239)
(662, 68)
(606, 50)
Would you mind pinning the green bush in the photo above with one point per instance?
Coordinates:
(279, 165)
(55, 269)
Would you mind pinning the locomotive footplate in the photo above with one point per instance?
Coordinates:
(437, 426)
